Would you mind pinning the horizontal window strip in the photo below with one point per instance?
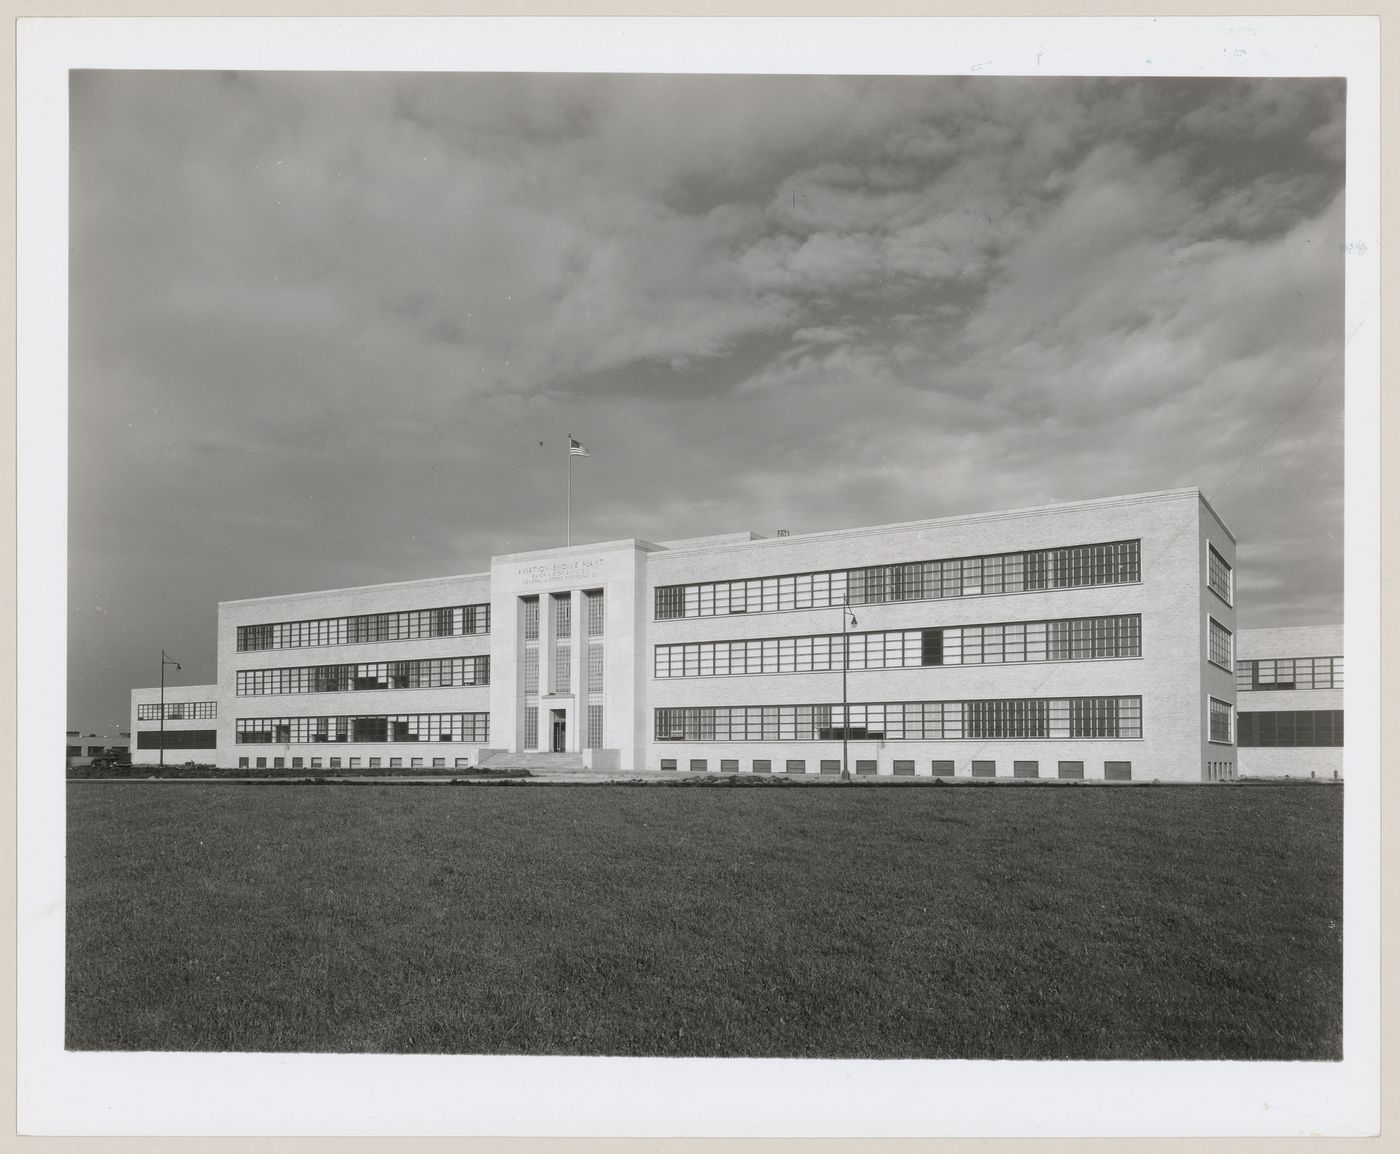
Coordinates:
(178, 711)
(396, 727)
(1294, 728)
(1284, 673)
(1072, 639)
(448, 621)
(178, 739)
(424, 673)
(1106, 563)
(1018, 719)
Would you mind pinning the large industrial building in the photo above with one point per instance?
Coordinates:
(1089, 640)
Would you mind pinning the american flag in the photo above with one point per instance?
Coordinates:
(576, 450)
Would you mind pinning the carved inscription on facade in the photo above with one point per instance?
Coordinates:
(561, 573)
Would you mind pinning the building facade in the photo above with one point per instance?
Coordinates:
(1290, 702)
(1089, 640)
(83, 749)
(183, 726)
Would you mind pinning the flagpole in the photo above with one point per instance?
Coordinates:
(569, 493)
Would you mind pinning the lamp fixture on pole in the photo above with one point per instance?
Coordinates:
(164, 661)
(845, 666)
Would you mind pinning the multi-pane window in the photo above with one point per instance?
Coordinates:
(473, 727)
(1103, 716)
(1112, 717)
(1006, 719)
(1221, 721)
(563, 649)
(427, 673)
(594, 668)
(1275, 673)
(178, 711)
(450, 621)
(1110, 563)
(1218, 574)
(1291, 727)
(529, 668)
(255, 637)
(593, 605)
(1221, 645)
(670, 601)
(1075, 639)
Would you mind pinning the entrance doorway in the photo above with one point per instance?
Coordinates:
(556, 743)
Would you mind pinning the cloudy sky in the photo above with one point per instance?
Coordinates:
(321, 322)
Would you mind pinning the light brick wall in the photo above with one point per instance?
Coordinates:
(1170, 676)
(1216, 681)
(471, 589)
(173, 694)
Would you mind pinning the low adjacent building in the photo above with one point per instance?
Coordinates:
(1289, 683)
(176, 724)
(1088, 640)
(84, 748)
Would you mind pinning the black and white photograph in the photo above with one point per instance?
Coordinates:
(747, 571)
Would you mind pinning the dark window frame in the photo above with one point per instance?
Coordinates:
(177, 739)
(1063, 567)
(1213, 555)
(364, 628)
(1290, 729)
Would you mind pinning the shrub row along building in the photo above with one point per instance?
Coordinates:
(1091, 640)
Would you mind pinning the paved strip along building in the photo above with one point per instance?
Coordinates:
(1087, 640)
(1290, 702)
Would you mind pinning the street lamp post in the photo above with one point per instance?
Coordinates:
(845, 667)
(164, 661)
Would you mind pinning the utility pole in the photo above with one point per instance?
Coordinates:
(164, 661)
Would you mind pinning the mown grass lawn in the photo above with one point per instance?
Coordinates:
(821, 922)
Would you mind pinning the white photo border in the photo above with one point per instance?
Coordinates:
(233, 1094)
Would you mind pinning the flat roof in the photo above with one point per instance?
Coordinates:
(747, 538)
(971, 518)
(358, 588)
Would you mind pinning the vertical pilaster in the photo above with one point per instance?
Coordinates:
(578, 659)
(546, 655)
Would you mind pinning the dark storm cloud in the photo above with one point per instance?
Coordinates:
(320, 322)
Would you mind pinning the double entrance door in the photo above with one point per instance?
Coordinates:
(557, 731)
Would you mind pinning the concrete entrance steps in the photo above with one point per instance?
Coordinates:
(539, 764)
